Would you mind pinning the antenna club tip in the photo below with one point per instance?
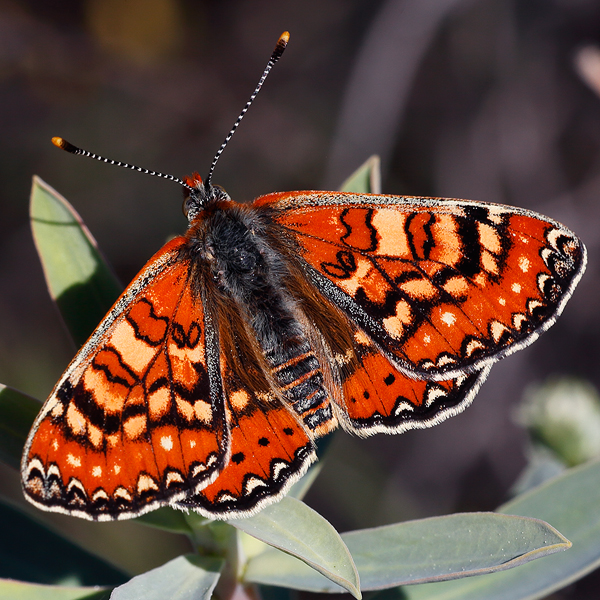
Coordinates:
(284, 38)
(63, 144)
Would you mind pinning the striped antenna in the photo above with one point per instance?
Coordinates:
(275, 56)
(279, 48)
(68, 147)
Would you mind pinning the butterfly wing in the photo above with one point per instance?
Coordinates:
(377, 398)
(138, 418)
(270, 450)
(441, 286)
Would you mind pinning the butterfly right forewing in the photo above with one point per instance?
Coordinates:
(441, 286)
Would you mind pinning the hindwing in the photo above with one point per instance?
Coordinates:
(270, 449)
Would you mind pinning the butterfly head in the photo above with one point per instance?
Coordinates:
(198, 195)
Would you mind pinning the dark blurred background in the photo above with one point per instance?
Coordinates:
(492, 100)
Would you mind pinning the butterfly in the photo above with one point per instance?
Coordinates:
(268, 325)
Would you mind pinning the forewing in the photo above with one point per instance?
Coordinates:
(137, 420)
(441, 286)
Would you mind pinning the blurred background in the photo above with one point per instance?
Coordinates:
(493, 100)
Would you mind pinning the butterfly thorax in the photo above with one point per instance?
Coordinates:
(244, 282)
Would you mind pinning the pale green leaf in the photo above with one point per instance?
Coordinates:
(298, 530)
(301, 487)
(167, 519)
(571, 502)
(78, 278)
(366, 179)
(21, 590)
(428, 549)
(187, 577)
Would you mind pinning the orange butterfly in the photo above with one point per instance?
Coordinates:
(268, 325)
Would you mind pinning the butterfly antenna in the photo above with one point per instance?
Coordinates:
(279, 48)
(68, 147)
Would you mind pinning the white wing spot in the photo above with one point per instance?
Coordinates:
(121, 492)
(145, 484)
(518, 320)
(516, 288)
(473, 346)
(57, 409)
(434, 393)
(116, 469)
(445, 360)
(97, 471)
(501, 301)
(253, 483)
(524, 264)
(166, 441)
(198, 469)
(173, 477)
(74, 461)
(227, 498)
(192, 443)
(100, 494)
(278, 467)
(497, 330)
(426, 338)
(449, 318)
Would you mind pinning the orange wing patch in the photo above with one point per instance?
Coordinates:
(132, 424)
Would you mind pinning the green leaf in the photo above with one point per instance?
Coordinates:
(187, 577)
(443, 547)
(366, 179)
(571, 502)
(20, 590)
(77, 275)
(17, 413)
(298, 530)
(428, 549)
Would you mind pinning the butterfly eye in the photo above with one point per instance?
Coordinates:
(187, 204)
(219, 193)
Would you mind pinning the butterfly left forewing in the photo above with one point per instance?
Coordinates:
(137, 419)
(439, 285)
